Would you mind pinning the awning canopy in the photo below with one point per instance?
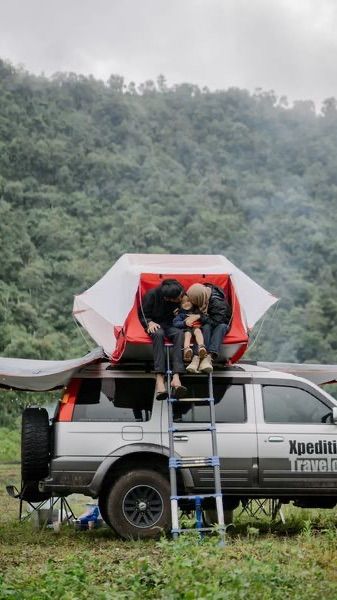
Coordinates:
(42, 375)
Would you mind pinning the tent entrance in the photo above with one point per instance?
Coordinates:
(133, 343)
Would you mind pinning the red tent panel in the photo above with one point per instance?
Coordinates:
(133, 333)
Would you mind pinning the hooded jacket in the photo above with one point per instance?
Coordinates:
(219, 310)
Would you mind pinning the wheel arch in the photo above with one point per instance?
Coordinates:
(133, 456)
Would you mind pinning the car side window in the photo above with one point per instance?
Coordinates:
(229, 401)
(114, 400)
(286, 404)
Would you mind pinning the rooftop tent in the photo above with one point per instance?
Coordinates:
(108, 310)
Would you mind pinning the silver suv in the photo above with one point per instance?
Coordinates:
(277, 438)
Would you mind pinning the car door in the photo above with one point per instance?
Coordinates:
(109, 413)
(236, 431)
(297, 440)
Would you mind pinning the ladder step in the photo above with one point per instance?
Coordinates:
(194, 461)
(194, 496)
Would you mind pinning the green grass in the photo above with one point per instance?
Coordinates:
(261, 560)
(9, 444)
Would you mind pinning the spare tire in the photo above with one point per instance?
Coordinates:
(35, 445)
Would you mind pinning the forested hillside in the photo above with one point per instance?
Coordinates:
(90, 170)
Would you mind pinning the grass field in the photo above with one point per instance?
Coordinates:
(261, 560)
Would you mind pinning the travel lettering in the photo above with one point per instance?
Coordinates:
(306, 457)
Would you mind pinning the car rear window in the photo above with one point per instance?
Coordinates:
(114, 400)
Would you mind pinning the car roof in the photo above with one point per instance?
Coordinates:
(106, 369)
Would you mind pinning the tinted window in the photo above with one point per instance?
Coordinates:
(230, 405)
(114, 400)
(283, 404)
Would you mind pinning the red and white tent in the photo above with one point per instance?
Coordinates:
(108, 310)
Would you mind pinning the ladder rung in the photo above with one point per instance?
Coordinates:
(194, 461)
(194, 496)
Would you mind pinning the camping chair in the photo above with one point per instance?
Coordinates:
(262, 507)
(50, 503)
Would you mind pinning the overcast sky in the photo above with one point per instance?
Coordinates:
(289, 46)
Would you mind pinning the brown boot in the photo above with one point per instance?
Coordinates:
(187, 353)
(202, 352)
(193, 366)
(206, 365)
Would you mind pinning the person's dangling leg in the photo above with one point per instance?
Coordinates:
(217, 336)
(177, 337)
(206, 363)
(199, 338)
(193, 367)
(206, 332)
(159, 366)
(188, 352)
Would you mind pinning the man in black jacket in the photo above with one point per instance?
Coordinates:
(156, 315)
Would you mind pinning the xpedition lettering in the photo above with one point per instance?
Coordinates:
(318, 448)
(313, 457)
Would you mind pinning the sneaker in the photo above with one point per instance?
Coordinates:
(206, 365)
(194, 365)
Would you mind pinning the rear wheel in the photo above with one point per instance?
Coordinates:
(138, 505)
(35, 453)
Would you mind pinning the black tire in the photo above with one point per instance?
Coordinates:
(138, 505)
(35, 444)
(102, 501)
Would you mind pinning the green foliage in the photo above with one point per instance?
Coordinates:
(9, 444)
(187, 569)
(90, 170)
(293, 560)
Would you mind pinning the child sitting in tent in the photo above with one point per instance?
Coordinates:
(191, 327)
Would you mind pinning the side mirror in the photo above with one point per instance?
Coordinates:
(334, 415)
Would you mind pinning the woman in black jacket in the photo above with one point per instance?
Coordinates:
(214, 315)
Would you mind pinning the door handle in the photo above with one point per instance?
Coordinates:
(276, 438)
(180, 438)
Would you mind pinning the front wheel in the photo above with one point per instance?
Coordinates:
(138, 505)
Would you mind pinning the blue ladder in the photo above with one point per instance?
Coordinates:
(191, 462)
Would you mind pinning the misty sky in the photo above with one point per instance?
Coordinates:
(289, 46)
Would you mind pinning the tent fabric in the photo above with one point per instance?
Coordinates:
(104, 308)
(236, 339)
(319, 374)
(42, 375)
